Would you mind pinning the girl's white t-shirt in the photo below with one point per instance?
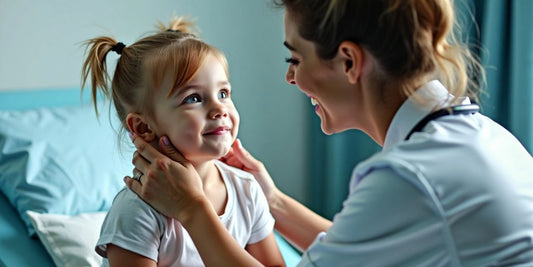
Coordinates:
(134, 225)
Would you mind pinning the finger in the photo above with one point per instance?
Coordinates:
(133, 184)
(228, 156)
(170, 151)
(147, 151)
(242, 154)
(234, 161)
(140, 163)
(137, 175)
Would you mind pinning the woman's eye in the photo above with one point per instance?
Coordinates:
(292, 61)
(223, 94)
(192, 99)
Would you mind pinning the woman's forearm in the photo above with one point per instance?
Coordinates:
(295, 222)
(215, 245)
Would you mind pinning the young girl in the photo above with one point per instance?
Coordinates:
(173, 84)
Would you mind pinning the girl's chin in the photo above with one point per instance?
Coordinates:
(214, 155)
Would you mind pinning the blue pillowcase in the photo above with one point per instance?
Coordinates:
(61, 160)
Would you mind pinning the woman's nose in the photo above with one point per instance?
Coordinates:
(289, 76)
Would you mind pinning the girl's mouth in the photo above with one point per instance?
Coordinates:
(218, 131)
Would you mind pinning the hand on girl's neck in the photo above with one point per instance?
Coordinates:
(205, 169)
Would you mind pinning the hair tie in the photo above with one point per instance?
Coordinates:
(118, 47)
(172, 30)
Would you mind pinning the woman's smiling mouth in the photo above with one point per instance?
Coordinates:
(314, 102)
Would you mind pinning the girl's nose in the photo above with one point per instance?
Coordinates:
(218, 111)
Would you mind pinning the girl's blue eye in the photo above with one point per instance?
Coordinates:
(292, 61)
(223, 94)
(192, 99)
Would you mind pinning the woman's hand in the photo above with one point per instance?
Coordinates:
(240, 158)
(170, 185)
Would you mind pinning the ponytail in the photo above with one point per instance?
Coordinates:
(95, 66)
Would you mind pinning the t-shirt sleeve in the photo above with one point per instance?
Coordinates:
(263, 223)
(131, 224)
(384, 221)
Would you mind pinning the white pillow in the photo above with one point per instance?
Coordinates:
(70, 240)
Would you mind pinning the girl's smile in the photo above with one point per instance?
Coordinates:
(219, 131)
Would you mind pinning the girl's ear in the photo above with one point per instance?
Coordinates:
(352, 57)
(137, 125)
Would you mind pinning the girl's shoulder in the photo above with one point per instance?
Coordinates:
(234, 173)
(127, 204)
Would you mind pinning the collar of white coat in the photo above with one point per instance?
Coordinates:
(424, 100)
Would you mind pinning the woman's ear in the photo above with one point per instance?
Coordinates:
(137, 125)
(352, 58)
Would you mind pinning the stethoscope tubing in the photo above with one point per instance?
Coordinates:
(452, 110)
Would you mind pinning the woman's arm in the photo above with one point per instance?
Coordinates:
(266, 251)
(294, 221)
(119, 257)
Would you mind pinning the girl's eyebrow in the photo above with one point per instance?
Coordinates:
(224, 83)
(186, 87)
(176, 92)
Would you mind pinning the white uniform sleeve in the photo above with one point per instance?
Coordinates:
(385, 221)
(131, 224)
(263, 224)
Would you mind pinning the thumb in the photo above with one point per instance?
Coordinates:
(169, 150)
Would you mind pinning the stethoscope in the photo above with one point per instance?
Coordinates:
(453, 110)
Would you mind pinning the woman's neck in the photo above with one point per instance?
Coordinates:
(385, 106)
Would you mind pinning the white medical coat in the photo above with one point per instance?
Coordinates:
(460, 193)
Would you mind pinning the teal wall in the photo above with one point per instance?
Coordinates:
(40, 48)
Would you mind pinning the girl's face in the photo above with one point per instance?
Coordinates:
(324, 82)
(199, 118)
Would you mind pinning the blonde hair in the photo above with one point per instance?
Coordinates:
(143, 65)
(411, 39)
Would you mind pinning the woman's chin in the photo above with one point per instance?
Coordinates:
(330, 129)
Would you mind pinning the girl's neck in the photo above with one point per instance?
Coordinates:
(213, 185)
(208, 172)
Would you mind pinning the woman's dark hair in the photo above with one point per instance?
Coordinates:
(409, 38)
